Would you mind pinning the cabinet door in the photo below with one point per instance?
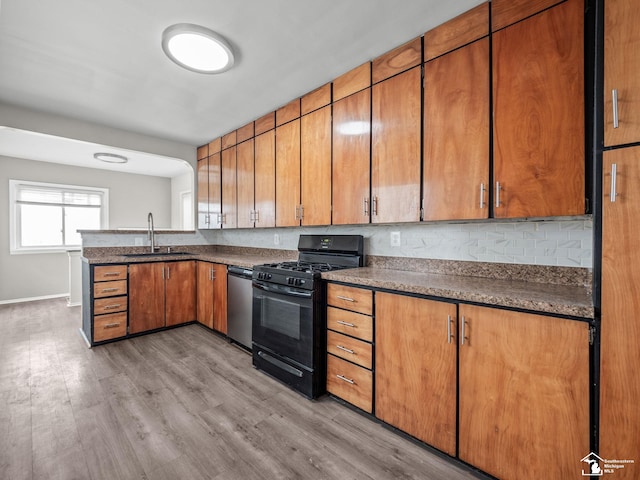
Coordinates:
(220, 297)
(523, 393)
(146, 296)
(416, 368)
(246, 184)
(620, 360)
(621, 72)
(180, 292)
(204, 297)
(352, 159)
(203, 193)
(456, 134)
(229, 194)
(538, 95)
(288, 174)
(395, 161)
(265, 179)
(215, 191)
(315, 158)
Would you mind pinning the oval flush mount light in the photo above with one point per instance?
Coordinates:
(197, 48)
(110, 157)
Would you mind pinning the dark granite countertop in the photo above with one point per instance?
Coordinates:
(560, 299)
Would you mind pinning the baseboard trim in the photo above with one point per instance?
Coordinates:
(34, 299)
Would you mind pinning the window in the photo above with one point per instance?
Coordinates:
(45, 217)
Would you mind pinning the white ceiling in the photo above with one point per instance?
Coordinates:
(102, 61)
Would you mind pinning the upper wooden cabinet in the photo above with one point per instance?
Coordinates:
(315, 167)
(539, 115)
(202, 152)
(523, 393)
(229, 217)
(352, 159)
(621, 72)
(415, 373)
(456, 134)
(395, 157)
(265, 180)
(215, 146)
(265, 123)
(245, 133)
(506, 12)
(620, 333)
(288, 112)
(351, 82)
(288, 174)
(319, 98)
(229, 140)
(215, 191)
(397, 60)
(246, 183)
(465, 28)
(203, 193)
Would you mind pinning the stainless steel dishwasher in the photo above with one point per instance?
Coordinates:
(239, 305)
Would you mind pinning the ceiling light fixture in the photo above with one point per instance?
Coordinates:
(110, 157)
(197, 48)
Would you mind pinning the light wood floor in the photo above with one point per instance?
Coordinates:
(180, 404)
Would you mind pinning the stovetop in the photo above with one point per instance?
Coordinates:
(303, 267)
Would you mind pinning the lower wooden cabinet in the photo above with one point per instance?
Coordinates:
(416, 367)
(350, 382)
(524, 393)
(212, 295)
(106, 302)
(109, 326)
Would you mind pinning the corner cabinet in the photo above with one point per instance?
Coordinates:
(523, 393)
(212, 296)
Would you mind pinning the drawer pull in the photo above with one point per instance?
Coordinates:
(112, 274)
(105, 290)
(346, 299)
(345, 379)
(111, 307)
(345, 349)
(112, 325)
(346, 324)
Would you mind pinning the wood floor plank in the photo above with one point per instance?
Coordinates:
(15, 434)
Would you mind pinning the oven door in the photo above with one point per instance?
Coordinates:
(283, 321)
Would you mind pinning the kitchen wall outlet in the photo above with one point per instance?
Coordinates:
(138, 241)
(276, 239)
(395, 239)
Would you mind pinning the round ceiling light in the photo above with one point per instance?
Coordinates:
(110, 157)
(197, 48)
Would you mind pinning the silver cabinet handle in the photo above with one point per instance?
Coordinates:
(463, 335)
(482, 190)
(449, 332)
(348, 380)
(112, 274)
(112, 325)
(345, 349)
(346, 324)
(111, 307)
(346, 299)
(365, 206)
(301, 212)
(614, 175)
(498, 188)
(257, 216)
(105, 290)
(614, 97)
(374, 205)
(168, 273)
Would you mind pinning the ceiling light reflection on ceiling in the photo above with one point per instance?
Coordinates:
(197, 48)
(353, 128)
(110, 157)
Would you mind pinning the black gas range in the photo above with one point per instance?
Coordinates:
(288, 331)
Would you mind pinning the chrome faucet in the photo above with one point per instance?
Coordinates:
(151, 234)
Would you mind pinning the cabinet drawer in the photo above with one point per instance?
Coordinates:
(106, 327)
(355, 351)
(350, 298)
(350, 382)
(109, 272)
(109, 289)
(109, 305)
(350, 323)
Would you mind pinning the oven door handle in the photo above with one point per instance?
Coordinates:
(283, 290)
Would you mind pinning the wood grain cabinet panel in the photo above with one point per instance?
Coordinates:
(396, 61)
(524, 393)
(456, 134)
(110, 305)
(229, 140)
(229, 188)
(245, 133)
(620, 333)
(351, 174)
(350, 323)
(110, 289)
(215, 191)
(396, 145)
(621, 72)
(316, 99)
(288, 112)
(202, 152)
(109, 326)
(212, 295)
(203, 193)
(507, 12)
(105, 273)
(350, 382)
(415, 373)
(352, 81)
(265, 180)
(146, 297)
(351, 349)
(288, 174)
(315, 167)
(350, 298)
(246, 183)
(538, 96)
(265, 123)
(215, 146)
(180, 292)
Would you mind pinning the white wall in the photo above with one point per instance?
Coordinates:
(131, 198)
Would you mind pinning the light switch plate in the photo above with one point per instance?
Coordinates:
(276, 239)
(395, 239)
